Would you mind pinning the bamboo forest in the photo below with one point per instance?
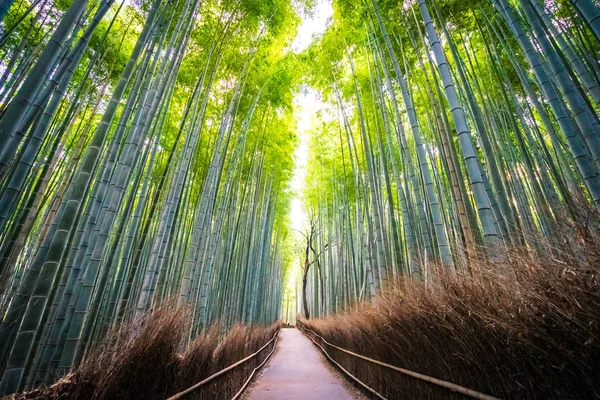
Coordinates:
(370, 198)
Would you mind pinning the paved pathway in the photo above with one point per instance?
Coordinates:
(298, 372)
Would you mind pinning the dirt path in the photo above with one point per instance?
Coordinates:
(297, 371)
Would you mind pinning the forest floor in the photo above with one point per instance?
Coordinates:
(297, 371)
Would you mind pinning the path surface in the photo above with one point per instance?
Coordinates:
(298, 372)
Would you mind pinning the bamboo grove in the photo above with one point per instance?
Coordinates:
(449, 131)
(146, 156)
(146, 149)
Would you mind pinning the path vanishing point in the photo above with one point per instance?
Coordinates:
(297, 371)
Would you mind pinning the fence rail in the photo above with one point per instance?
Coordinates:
(445, 384)
(275, 338)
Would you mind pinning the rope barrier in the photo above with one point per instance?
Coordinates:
(238, 394)
(445, 384)
(232, 366)
(361, 383)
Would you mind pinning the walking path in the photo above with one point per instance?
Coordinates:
(297, 371)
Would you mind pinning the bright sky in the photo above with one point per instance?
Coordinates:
(306, 105)
(312, 25)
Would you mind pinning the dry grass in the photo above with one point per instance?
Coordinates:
(141, 361)
(524, 329)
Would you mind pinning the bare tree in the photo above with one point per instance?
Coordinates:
(309, 235)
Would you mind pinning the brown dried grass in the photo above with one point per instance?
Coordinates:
(142, 361)
(527, 328)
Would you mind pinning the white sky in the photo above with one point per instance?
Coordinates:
(306, 105)
(312, 25)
